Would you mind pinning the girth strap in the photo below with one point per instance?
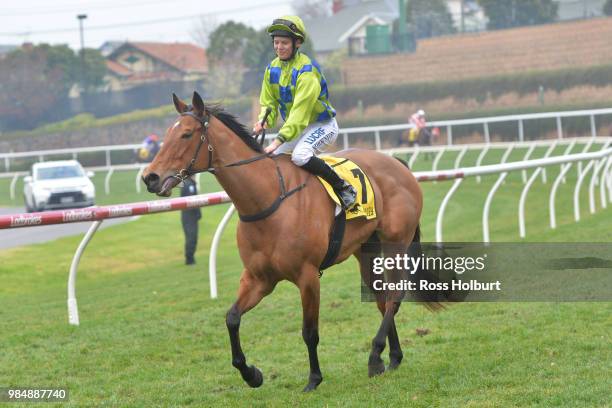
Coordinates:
(336, 236)
(272, 208)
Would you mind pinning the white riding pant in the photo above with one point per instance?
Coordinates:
(313, 140)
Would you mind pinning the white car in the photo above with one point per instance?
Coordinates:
(58, 184)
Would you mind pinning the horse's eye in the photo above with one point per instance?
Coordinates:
(186, 135)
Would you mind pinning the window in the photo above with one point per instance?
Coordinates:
(59, 172)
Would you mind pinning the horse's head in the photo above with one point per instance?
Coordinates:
(184, 149)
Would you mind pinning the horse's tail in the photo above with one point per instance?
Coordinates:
(403, 162)
(430, 299)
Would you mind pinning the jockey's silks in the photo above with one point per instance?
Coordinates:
(296, 88)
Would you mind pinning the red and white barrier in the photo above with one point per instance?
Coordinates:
(100, 213)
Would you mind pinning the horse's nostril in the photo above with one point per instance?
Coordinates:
(151, 178)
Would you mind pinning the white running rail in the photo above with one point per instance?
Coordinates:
(503, 169)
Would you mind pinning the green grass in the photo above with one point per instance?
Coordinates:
(150, 335)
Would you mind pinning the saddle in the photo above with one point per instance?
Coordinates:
(350, 171)
(364, 207)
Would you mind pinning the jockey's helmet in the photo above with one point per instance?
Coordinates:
(421, 113)
(288, 26)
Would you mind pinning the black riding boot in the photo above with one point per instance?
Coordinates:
(345, 192)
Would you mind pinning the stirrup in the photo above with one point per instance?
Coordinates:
(347, 196)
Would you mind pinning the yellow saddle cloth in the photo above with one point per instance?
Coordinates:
(350, 172)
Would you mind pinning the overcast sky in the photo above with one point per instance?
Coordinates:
(55, 22)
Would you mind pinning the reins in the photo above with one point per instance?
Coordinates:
(189, 171)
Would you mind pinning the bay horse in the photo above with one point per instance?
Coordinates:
(286, 216)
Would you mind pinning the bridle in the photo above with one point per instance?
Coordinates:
(190, 171)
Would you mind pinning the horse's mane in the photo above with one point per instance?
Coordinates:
(232, 122)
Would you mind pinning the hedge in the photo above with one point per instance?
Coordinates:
(239, 107)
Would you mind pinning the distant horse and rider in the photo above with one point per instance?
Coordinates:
(419, 135)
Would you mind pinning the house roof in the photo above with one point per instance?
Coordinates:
(326, 32)
(117, 68)
(185, 57)
(108, 47)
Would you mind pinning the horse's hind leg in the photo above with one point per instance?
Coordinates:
(250, 293)
(310, 293)
(376, 365)
(388, 303)
(395, 349)
(387, 328)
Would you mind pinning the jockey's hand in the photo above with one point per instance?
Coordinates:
(258, 128)
(273, 146)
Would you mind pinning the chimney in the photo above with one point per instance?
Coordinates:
(337, 6)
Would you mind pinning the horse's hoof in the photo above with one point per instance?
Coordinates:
(256, 378)
(312, 385)
(393, 365)
(394, 362)
(376, 369)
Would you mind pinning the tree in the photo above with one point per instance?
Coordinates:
(429, 18)
(516, 13)
(229, 40)
(64, 59)
(95, 68)
(28, 90)
(259, 51)
(228, 43)
(309, 9)
(203, 29)
(607, 8)
(35, 81)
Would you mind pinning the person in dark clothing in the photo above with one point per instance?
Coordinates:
(190, 218)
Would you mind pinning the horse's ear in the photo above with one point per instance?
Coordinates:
(180, 106)
(197, 103)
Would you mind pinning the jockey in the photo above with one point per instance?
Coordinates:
(150, 147)
(419, 132)
(295, 84)
(418, 120)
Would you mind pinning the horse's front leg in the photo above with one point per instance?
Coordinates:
(309, 291)
(250, 292)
